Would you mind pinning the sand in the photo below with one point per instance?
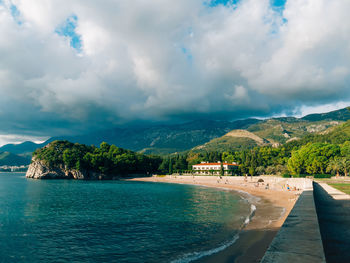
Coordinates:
(272, 208)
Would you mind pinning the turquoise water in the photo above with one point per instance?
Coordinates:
(111, 221)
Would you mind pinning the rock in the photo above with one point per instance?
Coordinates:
(39, 170)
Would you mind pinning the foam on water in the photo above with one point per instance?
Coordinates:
(197, 255)
(189, 257)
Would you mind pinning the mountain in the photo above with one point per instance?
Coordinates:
(158, 139)
(164, 139)
(203, 135)
(7, 158)
(336, 135)
(278, 131)
(22, 148)
(337, 115)
(236, 139)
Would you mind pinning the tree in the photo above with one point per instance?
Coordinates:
(345, 163)
(164, 166)
(312, 158)
(270, 170)
(280, 169)
(252, 171)
(170, 166)
(334, 166)
(222, 171)
(260, 170)
(345, 149)
(227, 157)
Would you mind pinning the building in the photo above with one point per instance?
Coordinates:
(206, 168)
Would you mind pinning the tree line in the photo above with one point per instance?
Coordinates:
(311, 158)
(308, 159)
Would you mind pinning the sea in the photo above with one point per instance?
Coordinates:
(115, 221)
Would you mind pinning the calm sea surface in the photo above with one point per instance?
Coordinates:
(111, 221)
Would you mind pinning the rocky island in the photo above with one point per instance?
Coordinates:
(66, 160)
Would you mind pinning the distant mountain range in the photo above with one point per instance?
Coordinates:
(277, 131)
(201, 135)
(159, 139)
(7, 158)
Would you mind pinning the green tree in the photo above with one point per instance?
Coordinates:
(345, 164)
(170, 166)
(334, 166)
(222, 171)
(312, 158)
(260, 170)
(227, 157)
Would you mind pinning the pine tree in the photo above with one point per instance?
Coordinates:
(170, 166)
(222, 171)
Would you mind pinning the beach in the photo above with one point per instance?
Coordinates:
(273, 203)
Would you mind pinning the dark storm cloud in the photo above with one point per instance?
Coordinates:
(119, 62)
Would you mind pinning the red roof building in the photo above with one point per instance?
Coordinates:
(207, 168)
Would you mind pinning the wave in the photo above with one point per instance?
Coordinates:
(249, 218)
(197, 255)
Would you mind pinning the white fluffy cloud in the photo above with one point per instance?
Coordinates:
(160, 59)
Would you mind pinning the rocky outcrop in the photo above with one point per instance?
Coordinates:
(39, 170)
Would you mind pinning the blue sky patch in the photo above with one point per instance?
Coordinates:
(278, 5)
(213, 3)
(67, 29)
(15, 13)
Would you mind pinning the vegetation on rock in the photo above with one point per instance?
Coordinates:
(108, 159)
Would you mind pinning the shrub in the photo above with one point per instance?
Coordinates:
(300, 176)
(286, 176)
(322, 176)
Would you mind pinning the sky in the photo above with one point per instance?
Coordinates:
(87, 65)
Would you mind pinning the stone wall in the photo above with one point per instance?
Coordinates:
(299, 239)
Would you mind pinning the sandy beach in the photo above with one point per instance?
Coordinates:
(272, 208)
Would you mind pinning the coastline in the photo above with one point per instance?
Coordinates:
(272, 208)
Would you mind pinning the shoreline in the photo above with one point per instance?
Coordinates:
(272, 208)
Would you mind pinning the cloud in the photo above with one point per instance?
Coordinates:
(88, 64)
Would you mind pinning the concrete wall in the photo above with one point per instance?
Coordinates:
(299, 239)
(299, 183)
(333, 210)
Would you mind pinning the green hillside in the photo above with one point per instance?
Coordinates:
(335, 135)
(272, 132)
(339, 115)
(226, 143)
(283, 130)
(11, 159)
